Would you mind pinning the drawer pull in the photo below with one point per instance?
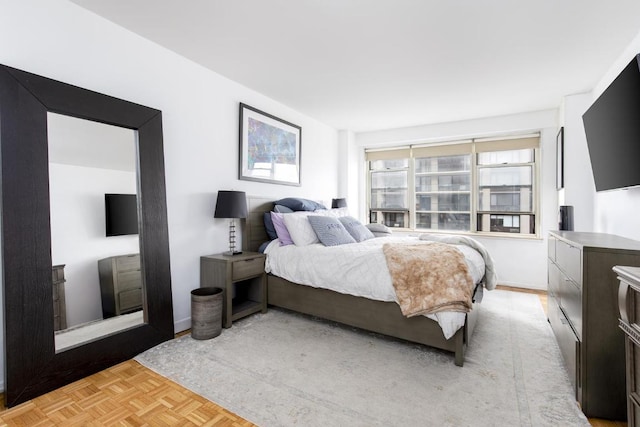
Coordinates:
(623, 290)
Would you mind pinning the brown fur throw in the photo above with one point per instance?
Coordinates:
(429, 278)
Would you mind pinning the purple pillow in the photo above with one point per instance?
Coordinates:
(281, 229)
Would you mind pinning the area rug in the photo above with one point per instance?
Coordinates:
(286, 369)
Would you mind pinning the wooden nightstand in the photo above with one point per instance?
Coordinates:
(243, 279)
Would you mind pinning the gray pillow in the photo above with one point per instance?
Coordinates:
(282, 209)
(329, 230)
(300, 204)
(379, 230)
(358, 231)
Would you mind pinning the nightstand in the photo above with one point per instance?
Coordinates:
(243, 279)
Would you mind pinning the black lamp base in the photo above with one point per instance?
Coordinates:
(229, 253)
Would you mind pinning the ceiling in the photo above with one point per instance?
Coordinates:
(365, 65)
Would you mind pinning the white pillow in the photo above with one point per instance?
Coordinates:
(300, 229)
(336, 212)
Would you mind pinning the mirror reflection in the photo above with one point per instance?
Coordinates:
(96, 276)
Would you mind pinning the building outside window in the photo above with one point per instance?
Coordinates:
(484, 186)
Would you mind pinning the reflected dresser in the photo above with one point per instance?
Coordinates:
(59, 305)
(120, 284)
(583, 313)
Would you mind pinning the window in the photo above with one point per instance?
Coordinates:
(485, 186)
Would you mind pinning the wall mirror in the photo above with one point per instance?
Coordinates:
(97, 281)
(32, 364)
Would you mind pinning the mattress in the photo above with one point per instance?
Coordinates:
(358, 269)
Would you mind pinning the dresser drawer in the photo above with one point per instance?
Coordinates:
(569, 260)
(243, 269)
(567, 341)
(551, 244)
(130, 300)
(571, 303)
(128, 262)
(555, 276)
(129, 280)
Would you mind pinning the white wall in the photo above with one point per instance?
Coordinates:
(78, 232)
(519, 262)
(579, 188)
(60, 40)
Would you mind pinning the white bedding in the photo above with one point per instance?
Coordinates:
(358, 269)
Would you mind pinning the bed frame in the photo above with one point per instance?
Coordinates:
(375, 316)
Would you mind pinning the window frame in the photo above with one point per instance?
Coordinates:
(473, 148)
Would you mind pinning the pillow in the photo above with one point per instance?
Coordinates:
(299, 228)
(330, 230)
(281, 209)
(298, 204)
(268, 226)
(281, 229)
(359, 232)
(338, 212)
(379, 230)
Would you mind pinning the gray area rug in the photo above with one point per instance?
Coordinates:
(285, 369)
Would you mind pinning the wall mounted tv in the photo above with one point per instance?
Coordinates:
(612, 127)
(121, 214)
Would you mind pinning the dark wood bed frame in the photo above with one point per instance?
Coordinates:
(375, 316)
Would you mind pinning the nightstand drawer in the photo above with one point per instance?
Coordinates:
(247, 268)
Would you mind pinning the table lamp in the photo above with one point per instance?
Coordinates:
(232, 205)
(338, 203)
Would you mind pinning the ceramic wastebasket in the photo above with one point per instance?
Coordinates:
(206, 313)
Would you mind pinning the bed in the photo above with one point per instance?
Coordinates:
(372, 315)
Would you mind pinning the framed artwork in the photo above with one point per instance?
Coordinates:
(560, 159)
(269, 148)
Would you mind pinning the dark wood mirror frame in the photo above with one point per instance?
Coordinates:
(32, 367)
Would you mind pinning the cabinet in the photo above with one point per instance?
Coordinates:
(243, 279)
(583, 313)
(120, 284)
(59, 304)
(629, 305)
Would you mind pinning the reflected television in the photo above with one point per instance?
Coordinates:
(121, 214)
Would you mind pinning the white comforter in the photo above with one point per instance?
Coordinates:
(358, 269)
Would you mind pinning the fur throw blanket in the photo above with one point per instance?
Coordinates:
(490, 278)
(429, 278)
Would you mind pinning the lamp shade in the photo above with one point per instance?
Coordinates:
(338, 203)
(231, 204)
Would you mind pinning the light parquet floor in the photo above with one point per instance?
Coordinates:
(129, 394)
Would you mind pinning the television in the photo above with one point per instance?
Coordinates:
(612, 127)
(121, 214)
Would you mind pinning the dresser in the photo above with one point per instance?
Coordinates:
(59, 305)
(583, 313)
(120, 284)
(243, 280)
(629, 305)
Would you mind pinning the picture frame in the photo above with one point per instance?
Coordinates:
(560, 159)
(270, 148)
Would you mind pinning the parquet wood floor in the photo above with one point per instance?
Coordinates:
(129, 394)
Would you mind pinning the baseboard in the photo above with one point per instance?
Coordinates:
(182, 325)
(524, 286)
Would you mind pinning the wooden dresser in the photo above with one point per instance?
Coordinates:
(629, 305)
(583, 313)
(120, 284)
(59, 304)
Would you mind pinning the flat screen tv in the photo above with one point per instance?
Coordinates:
(121, 214)
(612, 127)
